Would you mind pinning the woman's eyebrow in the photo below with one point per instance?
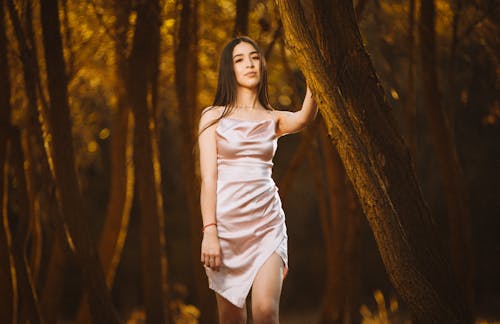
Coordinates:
(254, 52)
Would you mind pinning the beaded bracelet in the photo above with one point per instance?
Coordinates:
(204, 227)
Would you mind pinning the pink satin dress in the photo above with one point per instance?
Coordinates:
(250, 219)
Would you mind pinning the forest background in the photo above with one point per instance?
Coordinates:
(99, 107)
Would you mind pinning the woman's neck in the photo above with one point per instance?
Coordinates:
(246, 98)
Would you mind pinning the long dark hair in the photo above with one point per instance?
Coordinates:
(226, 85)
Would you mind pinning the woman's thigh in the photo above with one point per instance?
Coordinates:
(266, 289)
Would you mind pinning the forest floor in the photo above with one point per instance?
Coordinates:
(300, 317)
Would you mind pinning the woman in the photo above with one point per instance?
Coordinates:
(244, 233)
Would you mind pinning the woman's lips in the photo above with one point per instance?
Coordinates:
(251, 74)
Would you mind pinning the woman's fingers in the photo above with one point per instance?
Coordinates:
(211, 260)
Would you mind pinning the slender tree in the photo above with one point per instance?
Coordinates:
(67, 186)
(147, 167)
(358, 118)
(410, 112)
(443, 139)
(186, 80)
(28, 300)
(8, 297)
(115, 228)
(32, 139)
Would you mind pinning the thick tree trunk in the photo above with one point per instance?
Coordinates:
(339, 303)
(147, 167)
(8, 295)
(67, 187)
(186, 80)
(444, 144)
(241, 21)
(115, 228)
(377, 162)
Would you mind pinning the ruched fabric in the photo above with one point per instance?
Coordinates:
(250, 219)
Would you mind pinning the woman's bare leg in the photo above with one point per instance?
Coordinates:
(266, 291)
(229, 313)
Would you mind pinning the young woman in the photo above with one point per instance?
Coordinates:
(244, 233)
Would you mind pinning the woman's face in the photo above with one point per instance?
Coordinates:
(246, 65)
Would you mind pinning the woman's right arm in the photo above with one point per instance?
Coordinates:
(210, 247)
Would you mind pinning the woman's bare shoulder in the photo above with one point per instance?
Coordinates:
(211, 112)
(210, 115)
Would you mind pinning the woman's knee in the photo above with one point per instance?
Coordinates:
(232, 317)
(230, 314)
(265, 311)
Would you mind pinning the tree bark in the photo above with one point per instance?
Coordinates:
(8, 297)
(186, 80)
(67, 186)
(241, 21)
(147, 167)
(340, 303)
(444, 144)
(363, 130)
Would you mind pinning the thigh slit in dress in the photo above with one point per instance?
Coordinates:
(250, 219)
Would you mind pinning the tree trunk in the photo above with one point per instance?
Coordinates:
(339, 304)
(115, 228)
(410, 113)
(363, 130)
(32, 140)
(147, 167)
(8, 295)
(53, 287)
(445, 148)
(67, 186)
(186, 80)
(241, 21)
(37, 146)
(28, 301)
(453, 93)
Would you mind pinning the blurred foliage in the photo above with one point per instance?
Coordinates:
(384, 313)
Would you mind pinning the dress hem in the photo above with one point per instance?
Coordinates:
(247, 288)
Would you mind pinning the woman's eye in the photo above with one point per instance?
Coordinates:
(256, 58)
(238, 60)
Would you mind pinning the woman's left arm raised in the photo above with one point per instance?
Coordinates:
(291, 122)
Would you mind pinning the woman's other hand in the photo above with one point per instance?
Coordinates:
(210, 249)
